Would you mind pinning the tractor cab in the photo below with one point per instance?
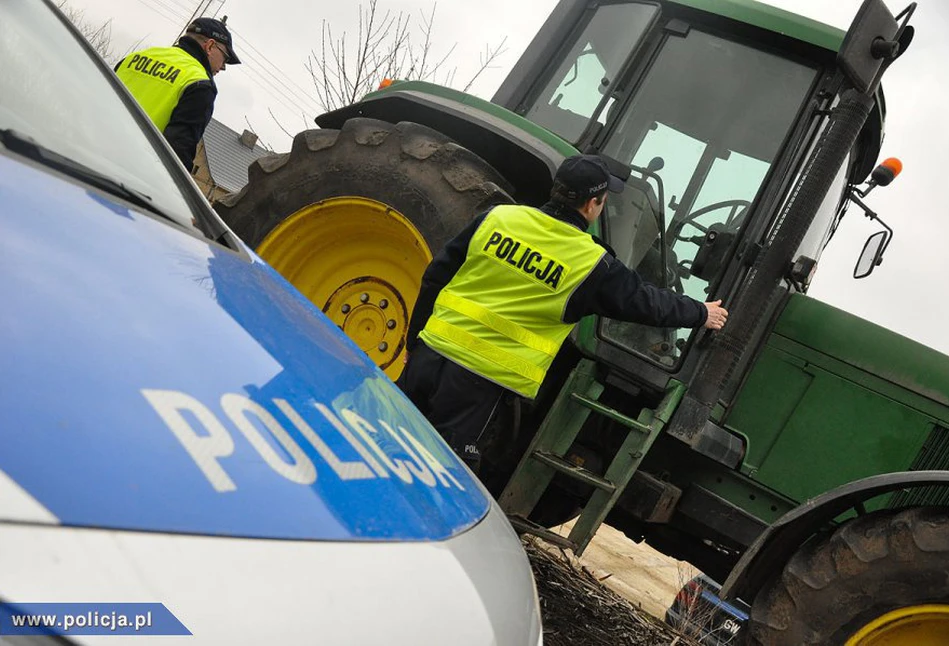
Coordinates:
(713, 117)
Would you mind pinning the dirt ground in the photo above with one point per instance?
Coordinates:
(616, 593)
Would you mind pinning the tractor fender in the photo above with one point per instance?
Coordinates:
(776, 545)
(524, 154)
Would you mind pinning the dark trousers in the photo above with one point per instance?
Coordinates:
(456, 401)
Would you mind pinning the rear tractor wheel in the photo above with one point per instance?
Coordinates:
(352, 217)
(881, 579)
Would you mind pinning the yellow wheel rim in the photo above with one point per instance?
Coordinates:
(926, 625)
(361, 262)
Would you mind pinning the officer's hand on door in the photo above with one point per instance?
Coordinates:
(717, 315)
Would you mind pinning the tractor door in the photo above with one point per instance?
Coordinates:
(703, 129)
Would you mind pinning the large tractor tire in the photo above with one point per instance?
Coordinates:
(352, 217)
(879, 579)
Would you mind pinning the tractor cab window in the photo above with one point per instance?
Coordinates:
(570, 98)
(704, 128)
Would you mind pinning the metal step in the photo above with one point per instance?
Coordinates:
(611, 413)
(524, 526)
(577, 473)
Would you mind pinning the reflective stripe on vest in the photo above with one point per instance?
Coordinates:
(501, 314)
(156, 77)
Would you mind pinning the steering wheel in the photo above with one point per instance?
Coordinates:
(732, 221)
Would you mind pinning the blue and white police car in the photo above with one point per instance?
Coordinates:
(178, 425)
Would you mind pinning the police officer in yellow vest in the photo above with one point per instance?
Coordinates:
(175, 85)
(499, 300)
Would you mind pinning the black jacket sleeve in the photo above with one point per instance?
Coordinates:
(617, 292)
(439, 273)
(189, 119)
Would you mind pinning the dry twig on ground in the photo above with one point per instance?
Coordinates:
(579, 611)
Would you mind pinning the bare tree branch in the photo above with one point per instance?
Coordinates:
(487, 57)
(260, 141)
(427, 42)
(98, 36)
(276, 121)
(343, 71)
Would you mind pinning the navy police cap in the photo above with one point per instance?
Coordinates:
(585, 176)
(214, 28)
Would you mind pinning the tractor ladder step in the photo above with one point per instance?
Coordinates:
(524, 526)
(612, 414)
(561, 465)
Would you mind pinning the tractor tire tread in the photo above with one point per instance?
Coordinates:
(869, 566)
(323, 163)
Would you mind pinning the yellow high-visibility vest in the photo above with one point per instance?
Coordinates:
(501, 315)
(156, 77)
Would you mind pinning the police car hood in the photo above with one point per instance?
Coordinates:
(475, 589)
(154, 381)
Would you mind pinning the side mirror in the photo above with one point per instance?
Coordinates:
(870, 44)
(872, 255)
(875, 39)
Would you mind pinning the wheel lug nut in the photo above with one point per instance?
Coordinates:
(383, 303)
(390, 324)
(364, 298)
(383, 346)
(345, 309)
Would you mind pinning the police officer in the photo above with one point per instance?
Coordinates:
(175, 85)
(498, 301)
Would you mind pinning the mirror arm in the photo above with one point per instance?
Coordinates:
(855, 195)
(889, 237)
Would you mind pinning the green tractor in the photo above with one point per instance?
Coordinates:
(802, 453)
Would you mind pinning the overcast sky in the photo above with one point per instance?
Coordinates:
(907, 293)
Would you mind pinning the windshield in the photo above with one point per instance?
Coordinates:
(701, 132)
(53, 92)
(569, 99)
